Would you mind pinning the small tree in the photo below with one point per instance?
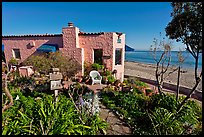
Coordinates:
(186, 26)
(163, 62)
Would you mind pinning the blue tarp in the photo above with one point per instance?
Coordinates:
(48, 48)
(2, 47)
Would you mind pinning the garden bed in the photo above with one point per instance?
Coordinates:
(154, 115)
(37, 113)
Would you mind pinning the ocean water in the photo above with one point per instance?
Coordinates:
(147, 58)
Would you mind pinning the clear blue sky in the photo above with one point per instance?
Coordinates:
(140, 21)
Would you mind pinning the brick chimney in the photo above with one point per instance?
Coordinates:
(70, 24)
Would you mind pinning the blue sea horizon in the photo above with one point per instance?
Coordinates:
(144, 56)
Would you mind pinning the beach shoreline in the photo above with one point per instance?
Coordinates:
(148, 71)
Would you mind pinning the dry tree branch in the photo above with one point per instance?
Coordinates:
(171, 72)
(8, 94)
(76, 107)
(191, 92)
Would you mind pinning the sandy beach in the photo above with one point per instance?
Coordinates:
(148, 71)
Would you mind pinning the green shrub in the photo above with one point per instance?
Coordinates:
(107, 72)
(96, 66)
(45, 62)
(13, 61)
(165, 101)
(149, 90)
(22, 82)
(125, 81)
(111, 79)
(140, 83)
(172, 123)
(163, 124)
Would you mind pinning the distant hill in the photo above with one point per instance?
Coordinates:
(127, 48)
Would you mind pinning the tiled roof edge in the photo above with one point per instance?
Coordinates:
(83, 33)
(38, 35)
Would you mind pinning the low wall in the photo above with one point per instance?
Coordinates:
(182, 90)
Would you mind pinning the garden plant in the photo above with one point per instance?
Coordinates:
(156, 114)
(36, 113)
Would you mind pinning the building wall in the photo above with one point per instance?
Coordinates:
(102, 41)
(107, 42)
(119, 68)
(23, 43)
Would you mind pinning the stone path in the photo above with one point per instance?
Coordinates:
(116, 126)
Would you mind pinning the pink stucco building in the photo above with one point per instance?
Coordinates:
(107, 47)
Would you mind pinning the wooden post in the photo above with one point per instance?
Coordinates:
(56, 95)
(55, 82)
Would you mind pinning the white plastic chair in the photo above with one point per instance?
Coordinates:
(95, 76)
